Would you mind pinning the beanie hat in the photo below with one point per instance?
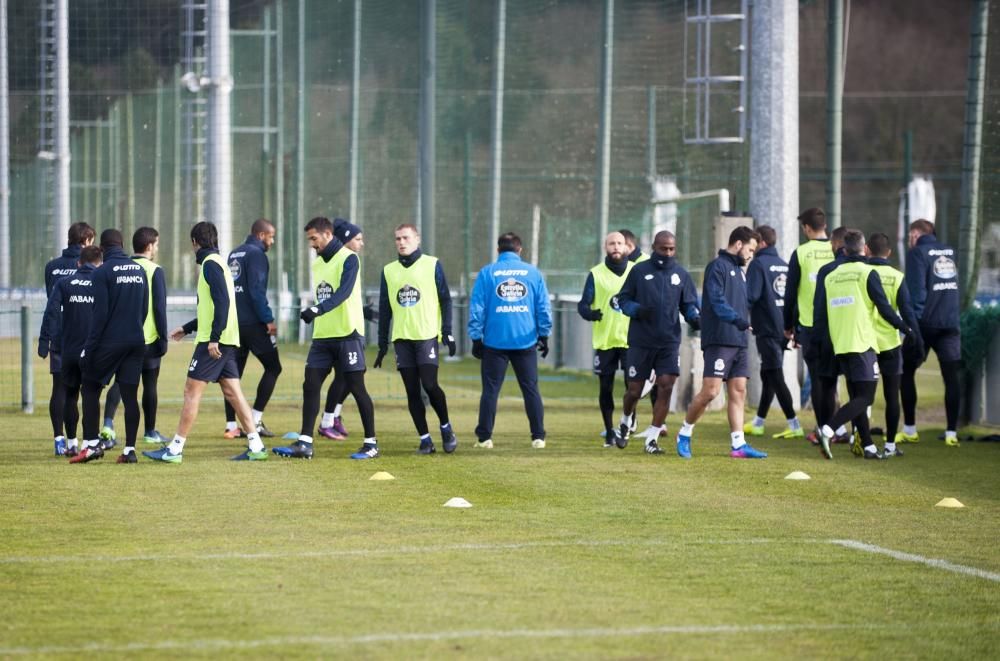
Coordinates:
(345, 230)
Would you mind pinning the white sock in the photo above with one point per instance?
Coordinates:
(736, 438)
(950, 434)
(337, 409)
(842, 430)
(93, 443)
(890, 447)
(327, 421)
(60, 438)
(910, 430)
(652, 433)
(127, 450)
(177, 445)
(446, 426)
(425, 437)
(257, 415)
(230, 425)
(371, 441)
(871, 448)
(305, 439)
(72, 442)
(757, 421)
(826, 431)
(794, 424)
(626, 420)
(254, 442)
(687, 428)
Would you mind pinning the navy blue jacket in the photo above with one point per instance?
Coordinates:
(70, 311)
(725, 308)
(249, 266)
(932, 277)
(655, 292)
(216, 279)
(767, 278)
(61, 266)
(121, 302)
(385, 308)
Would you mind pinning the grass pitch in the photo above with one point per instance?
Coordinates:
(571, 551)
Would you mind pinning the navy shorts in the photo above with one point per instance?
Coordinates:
(123, 364)
(55, 362)
(643, 360)
(725, 362)
(946, 343)
(771, 351)
(609, 361)
(414, 353)
(890, 361)
(859, 366)
(71, 372)
(205, 368)
(255, 339)
(342, 354)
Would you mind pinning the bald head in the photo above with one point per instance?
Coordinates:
(615, 247)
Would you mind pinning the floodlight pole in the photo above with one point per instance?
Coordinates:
(428, 128)
(604, 133)
(355, 112)
(499, 59)
(4, 153)
(220, 151)
(834, 109)
(61, 143)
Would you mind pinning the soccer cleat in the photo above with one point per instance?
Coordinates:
(790, 433)
(248, 455)
(750, 430)
(338, 426)
(745, 451)
(814, 436)
(842, 438)
(129, 458)
(634, 424)
(868, 454)
(856, 448)
(60, 446)
(887, 453)
(366, 451)
(89, 453)
(72, 451)
(903, 437)
(263, 431)
(652, 447)
(108, 434)
(155, 437)
(683, 446)
(426, 447)
(332, 433)
(486, 445)
(538, 443)
(610, 437)
(624, 431)
(448, 440)
(297, 450)
(824, 445)
(233, 433)
(165, 455)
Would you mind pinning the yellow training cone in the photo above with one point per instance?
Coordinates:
(797, 475)
(949, 502)
(382, 475)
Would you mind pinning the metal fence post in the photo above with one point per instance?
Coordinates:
(27, 374)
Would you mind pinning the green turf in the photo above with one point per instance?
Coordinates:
(571, 551)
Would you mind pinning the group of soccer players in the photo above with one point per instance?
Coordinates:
(838, 299)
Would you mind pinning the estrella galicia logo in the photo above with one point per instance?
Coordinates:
(779, 285)
(234, 268)
(323, 291)
(512, 290)
(408, 296)
(945, 268)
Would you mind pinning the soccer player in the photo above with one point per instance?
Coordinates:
(655, 292)
(599, 304)
(249, 267)
(767, 277)
(889, 346)
(69, 312)
(214, 358)
(725, 318)
(847, 297)
(414, 297)
(633, 252)
(338, 340)
(115, 345)
(146, 245)
(509, 318)
(932, 278)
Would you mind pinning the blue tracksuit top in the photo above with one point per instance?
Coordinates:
(249, 265)
(121, 302)
(724, 303)
(70, 311)
(767, 277)
(61, 266)
(509, 307)
(654, 293)
(932, 278)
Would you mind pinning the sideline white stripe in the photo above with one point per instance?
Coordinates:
(437, 636)
(910, 557)
(396, 550)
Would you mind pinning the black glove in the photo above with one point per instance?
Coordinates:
(370, 312)
(161, 346)
(694, 324)
(309, 314)
(449, 341)
(477, 349)
(382, 350)
(914, 342)
(43, 348)
(543, 346)
(595, 315)
(645, 312)
(742, 324)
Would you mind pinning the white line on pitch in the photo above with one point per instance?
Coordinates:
(910, 557)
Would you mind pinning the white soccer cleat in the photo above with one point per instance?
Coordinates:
(538, 444)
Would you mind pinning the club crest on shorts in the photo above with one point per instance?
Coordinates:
(719, 364)
(597, 361)
(631, 371)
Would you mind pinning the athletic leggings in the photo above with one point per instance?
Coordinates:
(57, 405)
(71, 415)
(952, 392)
(150, 397)
(312, 388)
(91, 391)
(265, 387)
(606, 399)
(773, 382)
(424, 377)
(824, 399)
(855, 410)
(890, 391)
(111, 401)
(337, 392)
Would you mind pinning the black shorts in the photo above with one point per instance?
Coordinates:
(859, 367)
(123, 364)
(726, 362)
(661, 360)
(255, 339)
(946, 343)
(151, 358)
(342, 354)
(890, 361)
(205, 368)
(771, 351)
(414, 353)
(609, 361)
(71, 372)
